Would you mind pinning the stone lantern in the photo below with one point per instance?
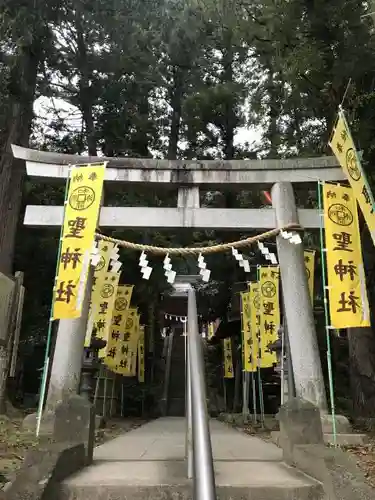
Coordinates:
(90, 365)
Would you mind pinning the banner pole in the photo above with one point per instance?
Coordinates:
(254, 352)
(326, 314)
(41, 397)
(43, 385)
(260, 384)
(282, 400)
(254, 394)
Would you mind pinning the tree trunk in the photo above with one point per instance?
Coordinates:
(273, 132)
(228, 80)
(362, 374)
(143, 127)
(176, 103)
(86, 97)
(11, 181)
(22, 88)
(362, 341)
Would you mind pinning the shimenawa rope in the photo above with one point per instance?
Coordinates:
(223, 247)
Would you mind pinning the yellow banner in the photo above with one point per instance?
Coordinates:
(348, 303)
(105, 306)
(228, 359)
(269, 313)
(141, 355)
(105, 249)
(134, 346)
(255, 324)
(121, 306)
(242, 338)
(310, 271)
(80, 221)
(343, 147)
(247, 341)
(210, 331)
(123, 359)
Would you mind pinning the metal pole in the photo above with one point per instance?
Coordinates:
(122, 396)
(326, 314)
(245, 402)
(105, 395)
(189, 430)
(167, 372)
(282, 399)
(41, 397)
(112, 396)
(204, 480)
(261, 401)
(225, 394)
(254, 393)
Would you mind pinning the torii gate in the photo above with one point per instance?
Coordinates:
(187, 177)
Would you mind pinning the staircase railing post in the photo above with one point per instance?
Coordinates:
(189, 430)
(204, 481)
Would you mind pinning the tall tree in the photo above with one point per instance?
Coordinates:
(24, 39)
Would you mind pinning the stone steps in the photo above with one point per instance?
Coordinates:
(346, 439)
(342, 439)
(176, 389)
(176, 406)
(139, 480)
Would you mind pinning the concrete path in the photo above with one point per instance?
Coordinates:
(164, 439)
(154, 456)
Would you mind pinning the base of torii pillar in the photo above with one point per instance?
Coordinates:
(307, 368)
(66, 365)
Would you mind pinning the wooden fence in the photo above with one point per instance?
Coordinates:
(12, 294)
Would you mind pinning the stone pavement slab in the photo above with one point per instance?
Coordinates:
(160, 472)
(149, 463)
(164, 439)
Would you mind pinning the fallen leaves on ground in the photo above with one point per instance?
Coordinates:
(365, 455)
(14, 444)
(15, 441)
(116, 427)
(256, 430)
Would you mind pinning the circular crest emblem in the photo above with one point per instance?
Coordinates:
(121, 304)
(268, 289)
(100, 265)
(82, 198)
(340, 214)
(352, 165)
(107, 291)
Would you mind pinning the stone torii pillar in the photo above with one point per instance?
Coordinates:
(307, 368)
(66, 361)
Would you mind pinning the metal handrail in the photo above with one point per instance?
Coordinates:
(197, 415)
